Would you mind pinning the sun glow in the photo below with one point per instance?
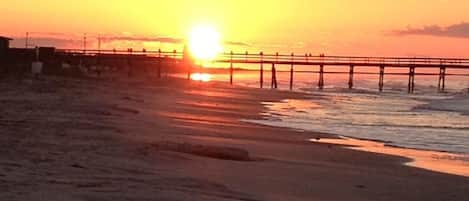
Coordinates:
(204, 42)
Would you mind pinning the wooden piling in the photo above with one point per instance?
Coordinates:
(292, 70)
(411, 80)
(129, 62)
(350, 79)
(231, 68)
(274, 77)
(159, 64)
(274, 72)
(321, 77)
(442, 79)
(381, 78)
(98, 64)
(262, 70)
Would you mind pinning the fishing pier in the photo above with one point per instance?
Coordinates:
(159, 59)
(349, 63)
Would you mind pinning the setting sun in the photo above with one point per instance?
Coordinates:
(204, 42)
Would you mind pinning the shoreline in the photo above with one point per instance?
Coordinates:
(434, 160)
(456, 163)
(171, 139)
(444, 162)
(451, 124)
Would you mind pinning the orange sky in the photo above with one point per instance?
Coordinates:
(347, 27)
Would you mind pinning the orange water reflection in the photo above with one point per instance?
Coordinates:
(449, 163)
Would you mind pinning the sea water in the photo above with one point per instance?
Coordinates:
(412, 121)
(425, 119)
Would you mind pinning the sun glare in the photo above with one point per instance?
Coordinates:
(204, 42)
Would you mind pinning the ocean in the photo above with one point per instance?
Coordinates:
(426, 120)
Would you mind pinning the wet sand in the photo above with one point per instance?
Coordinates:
(68, 139)
(450, 163)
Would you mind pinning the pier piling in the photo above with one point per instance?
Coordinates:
(129, 62)
(350, 79)
(158, 69)
(261, 79)
(98, 64)
(442, 79)
(411, 80)
(292, 70)
(231, 68)
(381, 78)
(321, 77)
(274, 77)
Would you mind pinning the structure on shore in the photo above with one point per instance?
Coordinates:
(4, 46)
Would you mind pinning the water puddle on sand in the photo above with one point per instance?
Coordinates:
(449, 163)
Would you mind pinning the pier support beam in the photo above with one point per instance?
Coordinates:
(350, 78)
(442, 79)
(292, 70)
(129, 62)
(274, 77)
(381, 78)
(158, 70)
(231, 68)
(411, 86)
(98, 65)
(261, 79)
(321, 77)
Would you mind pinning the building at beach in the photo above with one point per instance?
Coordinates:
(4, 45)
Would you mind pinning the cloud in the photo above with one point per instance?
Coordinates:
(460, 30)
(161, 39)
(46, 42)
(62, 41)
(237, 43)
(107, 41)
(143, 39)
(51, 34)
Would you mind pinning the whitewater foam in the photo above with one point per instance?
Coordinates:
(402, 120)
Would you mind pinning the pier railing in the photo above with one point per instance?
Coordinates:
(344, 60)
(293, 60)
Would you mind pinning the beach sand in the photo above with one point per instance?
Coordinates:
(169, 139)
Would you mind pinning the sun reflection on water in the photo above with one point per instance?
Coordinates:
(203, 77)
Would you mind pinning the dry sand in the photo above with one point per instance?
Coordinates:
(64, 139)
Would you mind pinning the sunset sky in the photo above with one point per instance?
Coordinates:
(346, 27)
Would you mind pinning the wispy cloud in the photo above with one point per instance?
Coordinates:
(161, 39)
(236, 43)
(46, 42)
(76, 41)
(460, 30)
(143, 39)
(67, 41)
